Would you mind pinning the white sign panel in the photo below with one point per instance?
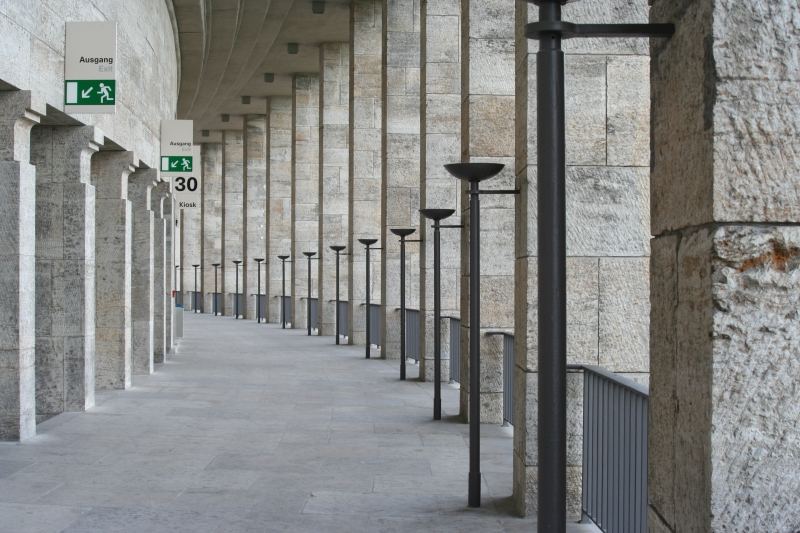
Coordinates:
(90, 79)
(177, 137)
(186, 187)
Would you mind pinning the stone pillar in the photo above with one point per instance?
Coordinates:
(608, 145)
(113, 245)
(400, 188)
(305, 190)
(366, 133)
(487, 114)
(19, 112)
(191, 254)
(280, 198)
(334, 176)
(232, 212)
(212, 221)
(724, 399)
(256, 205)
(140, 187)
(159, 195)
(441, 144)
(65, 276)
(168, 209)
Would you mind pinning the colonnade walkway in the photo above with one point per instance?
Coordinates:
(253, 428)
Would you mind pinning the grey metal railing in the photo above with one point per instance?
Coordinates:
(261, 310)
(508, 376)
(412, 334)
(344, 307)
(614, 451)
(508, 379)
(179, 298)
(375, 324)
(287, 309)
(240, 297)
(455, 350)
(194, 299)
(314, 307)
(220, 303)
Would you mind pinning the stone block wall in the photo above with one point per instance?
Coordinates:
(256, 205)
(233, 235)
(212, 156)
(280, 199)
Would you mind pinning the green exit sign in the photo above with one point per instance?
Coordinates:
(90, 92)
(176, 163)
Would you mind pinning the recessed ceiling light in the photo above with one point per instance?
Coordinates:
(269, 77)
(293, 48)
(245, 100)
(205, 133)
(226, 117)
(318, 7)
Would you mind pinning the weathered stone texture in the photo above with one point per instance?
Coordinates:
(366, 133)
(280, 198)
(113, 256)
(140, 187)
(441, 144)
(161, 299)
(19, 112)
(305, 191)
(32, 33)
(212, 227)
(334, 194)
(233, 214)
(401, 170)
(255, 207)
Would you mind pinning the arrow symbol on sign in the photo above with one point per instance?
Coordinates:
(87, 92)
(174, 164)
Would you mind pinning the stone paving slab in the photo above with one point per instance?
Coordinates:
(253, 428)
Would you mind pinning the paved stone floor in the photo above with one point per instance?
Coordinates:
(253, 428)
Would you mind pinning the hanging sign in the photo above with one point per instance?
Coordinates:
(90, 80)
(186, 187)
(177, 138)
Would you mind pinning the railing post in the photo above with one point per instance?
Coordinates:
(310, 256)
(258, 289)
(338, 249)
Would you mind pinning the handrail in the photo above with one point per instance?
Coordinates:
(623, 381)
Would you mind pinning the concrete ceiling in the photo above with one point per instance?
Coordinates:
(228, 45)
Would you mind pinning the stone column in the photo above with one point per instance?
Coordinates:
(191, 254)
(724, 399)
(65, 276)
(19, 112)
(233, 214)
(140, 187)
(441, 144)
(280, 198)
(113, 245)
(487, 114)
(158, 197)
(168, 209)
(400, 188)
(366, 133)
(305, 190)
(212, 220)
(256, 205)
(334, 194)
(608, 145)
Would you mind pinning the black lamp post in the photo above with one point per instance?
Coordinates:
(214, 305)
(403, 233)
(367, 243)
(338, 249)
(194, 296)
(474, 173)
(310, 256)
(284, 259)
(258, 261)
(236, 295)
(178, 285)
(437, 215)
(552, 245)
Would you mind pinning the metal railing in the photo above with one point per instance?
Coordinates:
(178, 298)
(455, 350)
(412, 334)
(614, 451)
(194, 299)
(314, 309)
(261, 302)
(240, 297)
(287, 309)
(508, 379)
(375, 324)
(220, 304)
(344, 309)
